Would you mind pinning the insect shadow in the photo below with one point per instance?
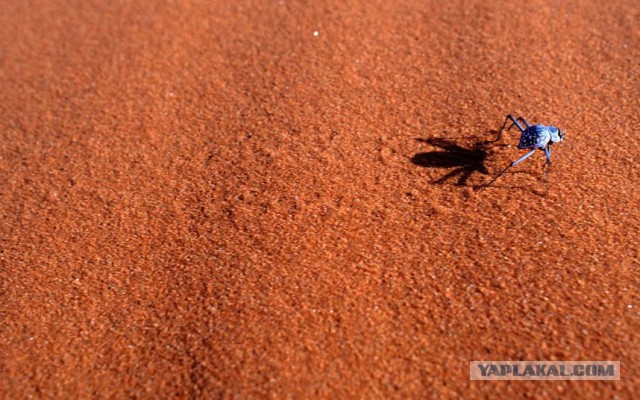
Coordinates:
(464, 161)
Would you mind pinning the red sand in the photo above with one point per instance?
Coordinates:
(208, 200)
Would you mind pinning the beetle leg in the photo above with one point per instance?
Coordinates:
(515, 122)
(516, 162)
(524, 121)
(547, 152)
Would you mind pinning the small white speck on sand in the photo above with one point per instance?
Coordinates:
(316, 33)
(629, 305)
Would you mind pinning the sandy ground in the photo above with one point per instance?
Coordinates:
(275, 199)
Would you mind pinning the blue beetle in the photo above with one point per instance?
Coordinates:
(532, 137)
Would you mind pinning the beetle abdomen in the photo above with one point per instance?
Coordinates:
(534, 137)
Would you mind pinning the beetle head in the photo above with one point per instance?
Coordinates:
(556, 134)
